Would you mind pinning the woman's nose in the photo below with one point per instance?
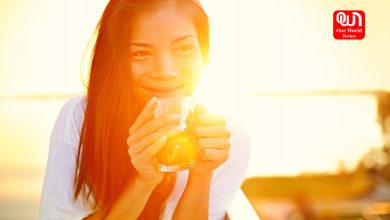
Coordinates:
(165, 68)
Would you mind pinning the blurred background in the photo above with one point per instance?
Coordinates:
(316, 107)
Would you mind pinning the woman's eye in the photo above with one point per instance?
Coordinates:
(140, 55)
(185, 50)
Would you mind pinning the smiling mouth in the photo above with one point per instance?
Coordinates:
(164, 90)
(148, 86)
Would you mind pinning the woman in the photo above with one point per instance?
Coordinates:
(101, 159)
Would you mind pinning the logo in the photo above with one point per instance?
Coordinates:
(349, 25)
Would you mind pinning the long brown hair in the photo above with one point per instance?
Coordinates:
(103, 164)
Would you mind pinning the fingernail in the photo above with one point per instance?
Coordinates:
(153, 100)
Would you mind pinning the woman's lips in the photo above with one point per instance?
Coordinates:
(163, 88)
(164, 91)
(168, 87)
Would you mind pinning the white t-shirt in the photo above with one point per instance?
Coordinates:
(56, 198)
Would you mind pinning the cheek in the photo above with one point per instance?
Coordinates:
(191, 71)
(191, 67)
(138, 69)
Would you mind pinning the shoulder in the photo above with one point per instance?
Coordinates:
(58, 187)
(69, 121)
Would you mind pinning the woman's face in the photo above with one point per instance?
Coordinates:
(165, 55)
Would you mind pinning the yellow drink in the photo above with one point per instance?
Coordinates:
(177, 154)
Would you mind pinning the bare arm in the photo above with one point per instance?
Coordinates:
(194, 203)
(131, 202)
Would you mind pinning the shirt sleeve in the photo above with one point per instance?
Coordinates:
(228, 177)
(57, 193)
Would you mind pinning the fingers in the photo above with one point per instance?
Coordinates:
(213, 149)
(148, 153)
(160, 123)
(213, 143)
(156, 124)
(210, 119)
(199, 109)
(215, 155)
(137, 147)
(212, 131)
(212, 153)
(200, 116)
(146, 115)
(145, 156)
(211, 135)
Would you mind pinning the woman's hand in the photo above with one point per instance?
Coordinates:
(211, 139)
(146, 137)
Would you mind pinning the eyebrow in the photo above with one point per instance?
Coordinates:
(173, 42)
